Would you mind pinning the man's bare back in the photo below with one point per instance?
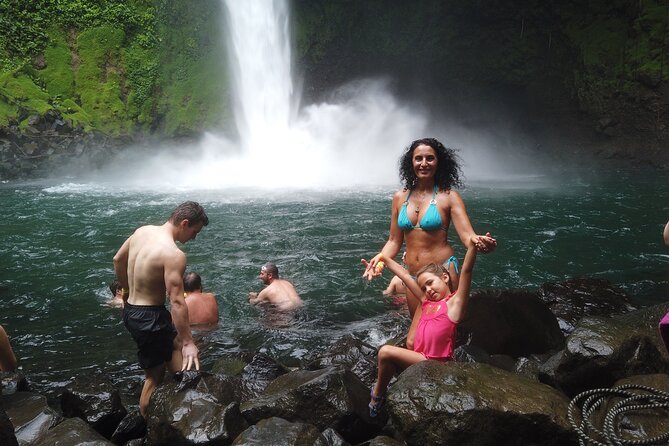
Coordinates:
(279, 292)
(151, 250)
(202, 307)
(282, 294)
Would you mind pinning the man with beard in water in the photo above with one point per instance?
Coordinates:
(279, 292)
(150, 266)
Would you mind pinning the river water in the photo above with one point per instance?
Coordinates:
(59, 238)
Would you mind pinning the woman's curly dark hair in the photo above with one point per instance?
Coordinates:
(448, 168)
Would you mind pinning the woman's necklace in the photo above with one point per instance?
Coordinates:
(419, 201)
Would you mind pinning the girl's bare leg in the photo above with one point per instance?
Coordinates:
(393, 360)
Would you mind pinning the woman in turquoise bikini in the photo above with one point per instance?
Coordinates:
(421, 214)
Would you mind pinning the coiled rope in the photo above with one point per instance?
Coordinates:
(633, 398)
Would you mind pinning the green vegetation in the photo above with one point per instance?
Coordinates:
(114, 66)
(193, 77)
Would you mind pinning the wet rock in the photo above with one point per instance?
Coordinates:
(30, 415)
(509, 322)
(131, 427)
(602, 350)
(231, 366)
(7, 436)
(39, 62)
(197, 410)
(528, 367)
(329, 437)
(257, 375)
(471, 353)
(575, 299)
(73, 431)
(12, 382)
(332, 397)
(476, 404)
(96, 401)
(30, 148)
(382, 440)
(352, 354)
(278, 432)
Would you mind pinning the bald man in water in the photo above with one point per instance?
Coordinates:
(278, 292)
(149, 266)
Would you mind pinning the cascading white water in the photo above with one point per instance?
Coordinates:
(259, 45)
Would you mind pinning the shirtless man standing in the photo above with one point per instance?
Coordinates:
(150, 266)
(278, 292)
(202, 307)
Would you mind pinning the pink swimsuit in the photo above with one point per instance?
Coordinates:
(435, 334)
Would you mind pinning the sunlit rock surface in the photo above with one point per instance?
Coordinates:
(436, 403)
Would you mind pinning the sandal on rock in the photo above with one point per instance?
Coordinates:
(375, 404)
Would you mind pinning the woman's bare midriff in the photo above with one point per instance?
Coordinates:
(426, 247)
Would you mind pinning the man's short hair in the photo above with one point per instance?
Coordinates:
(191, 211)
(270, 268)
(192, 281)
(114, 286)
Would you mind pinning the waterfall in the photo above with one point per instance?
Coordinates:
(259, 44)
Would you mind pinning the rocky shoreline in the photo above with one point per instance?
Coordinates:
(521, 357)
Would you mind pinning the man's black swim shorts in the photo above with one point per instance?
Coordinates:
(152, 329)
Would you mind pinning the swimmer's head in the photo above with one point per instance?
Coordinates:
(192, 282)
(268, 272)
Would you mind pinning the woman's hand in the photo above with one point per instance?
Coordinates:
(484, 243)
(373, 268)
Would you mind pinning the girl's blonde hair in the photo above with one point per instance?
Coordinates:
(435, 269)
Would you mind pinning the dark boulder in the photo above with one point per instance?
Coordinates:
(96, 401)
(257, 375)
(7, 436)
(278, 432)
(577, 298)
(382, 440)
(471, 353)
(30, 414)
(73, 432)
(197, 410)
(351, 353)
(131, 427)
(330, 437)
(602, 350)
(332, 397)
(509, 322)
(435, 403)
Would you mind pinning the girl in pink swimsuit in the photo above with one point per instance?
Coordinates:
(442, 309)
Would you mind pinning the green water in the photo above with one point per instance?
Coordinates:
(59, 238)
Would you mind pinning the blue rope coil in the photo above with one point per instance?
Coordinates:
(633, 398)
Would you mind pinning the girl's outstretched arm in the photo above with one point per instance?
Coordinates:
(458, 303)
(403, 274)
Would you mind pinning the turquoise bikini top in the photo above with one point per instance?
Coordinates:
(431, 221)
